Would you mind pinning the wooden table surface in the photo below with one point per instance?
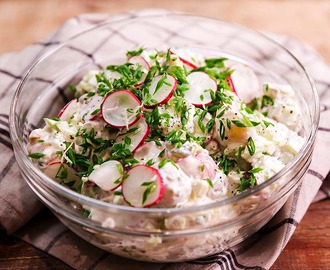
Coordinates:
(25, 21)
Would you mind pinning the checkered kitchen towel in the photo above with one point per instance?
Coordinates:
(18, 204)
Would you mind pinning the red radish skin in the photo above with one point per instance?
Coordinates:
(187, 63)
(64, 113)
(231, 85)
(139, 60)
(165, 92)
(137, 137)
(199, 83)
(97, 116)
(92, 103)
(245, 82)
(116, 105)
(108, 176)
(133, 190)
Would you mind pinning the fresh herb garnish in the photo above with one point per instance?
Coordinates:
(36, 155)
(266, 100)
(251, 146)
(150, 188)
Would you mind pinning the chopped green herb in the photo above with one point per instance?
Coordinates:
(36, 155)
(238, 123)
(209, 181)
(151, 187)
(165, 161)
(129, 54)
(267, 123)
(266, 100)
(256, 170)
(251, 146)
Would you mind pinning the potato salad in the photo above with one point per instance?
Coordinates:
(169, 129)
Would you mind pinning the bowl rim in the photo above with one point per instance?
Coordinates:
(88, 201)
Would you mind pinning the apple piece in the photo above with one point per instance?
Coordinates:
(245, 82)
(199, 86)
(188, 64)
(162, 88)
(137, 133)
(68, 110)
(139, 61)
(121, 109)
(108, 176)
(62, 173)
(143, 186)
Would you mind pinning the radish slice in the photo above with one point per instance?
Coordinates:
(68, 110)
(143, 186)
(231, 84)
(140, 62)
(91, 107)
(210, 167)
(200, 166)
(245, 82)
(108, 176)
(199, 86)
(62, 173)
(162, 88)
(121, 109)
(183, 59)
(137, 133)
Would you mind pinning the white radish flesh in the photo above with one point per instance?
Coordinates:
(121, 109)
(62, 173)
(142, 64)
(184, 59)
(245, 82)
(137, 133)
(143, 186)
(162, 88)
(90, 107)
(68, 110)
(200, 84)
(108, 176)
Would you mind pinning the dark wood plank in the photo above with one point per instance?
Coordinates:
(16, 254)
(309, 247)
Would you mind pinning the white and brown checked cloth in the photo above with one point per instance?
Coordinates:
(19, 207)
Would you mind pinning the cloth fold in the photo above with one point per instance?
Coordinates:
(18, 204)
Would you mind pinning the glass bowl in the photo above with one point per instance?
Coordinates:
(43, 92)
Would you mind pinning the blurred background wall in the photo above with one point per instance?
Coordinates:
(25, 21)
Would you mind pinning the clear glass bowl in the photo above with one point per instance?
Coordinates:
(44, 91)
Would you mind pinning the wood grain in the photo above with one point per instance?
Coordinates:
(23, 22)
